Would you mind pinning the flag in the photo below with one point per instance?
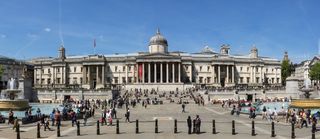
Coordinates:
(94, 43)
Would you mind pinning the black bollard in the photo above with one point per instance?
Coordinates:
(253, 132)
(58, 130)
(194, 126)
(156, 126)
(292, 131)
(98, 127)
(78, 128)
(137, 126)
(272, 130)
(175, 126)
(117, 129)
(233, 128)
(18, 131)
(214, 127)
(38, 130)
(313, 130)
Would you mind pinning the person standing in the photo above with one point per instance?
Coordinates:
(73, 117)
(183, 107)
(11, 117)
(85, 117)
(127, 115)
(198, 124)
(189, 123)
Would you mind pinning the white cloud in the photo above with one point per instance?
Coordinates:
(3, 36)
(47, 29)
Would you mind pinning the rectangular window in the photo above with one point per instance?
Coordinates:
(248, 79)
(124, 79)
(129, 68)
(241, 79)
(266, 70)
(81, 79)
(123, 68)
(208, 68)
(257, 79)
(58, 80)
(240, 68)
(49, 71)
(115, 80)
(200, 68)
(81, 69)
(74, 69)
(115, 68)
(247, 69)
(58, 70)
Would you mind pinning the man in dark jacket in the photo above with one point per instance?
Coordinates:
(189, 122)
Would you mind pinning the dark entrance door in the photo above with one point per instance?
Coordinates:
(67, 97)
(222, 82)
(249, 97)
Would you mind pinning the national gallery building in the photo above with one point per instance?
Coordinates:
(157, 69)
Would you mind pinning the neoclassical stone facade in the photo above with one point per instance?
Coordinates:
(158, 69)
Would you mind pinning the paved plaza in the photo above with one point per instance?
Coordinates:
(166, 114)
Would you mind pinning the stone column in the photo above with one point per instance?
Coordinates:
(214, 74)
(62, 77)
(190, 70)
(251, 74)
(137, 73)
(143, 73)
(35, 76)
(232, 72)
(84, 75)
(149, 73)
(254, 74)
(40, 76)
(227, 81)
(167, 73)
(173, 74)
(155, 72)
(126, 73)
(219, 74)
(179, 72)
(261, 75)
(102, 76)
(161, 74)
(89, 76)
(98, 80)
(53, 75)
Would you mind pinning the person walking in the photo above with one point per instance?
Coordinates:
(183, 107)
(189, 123)
(127, 115)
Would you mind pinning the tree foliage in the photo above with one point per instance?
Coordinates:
(314, 72)
(286, 70)
(1, 70)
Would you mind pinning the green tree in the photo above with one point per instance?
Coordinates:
(1, 71)
(314, 72)
(286, 70)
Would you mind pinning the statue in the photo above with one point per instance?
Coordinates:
(12, 84)
(307, 83)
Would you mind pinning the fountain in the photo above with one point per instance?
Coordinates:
(306, 102)
(11, 98)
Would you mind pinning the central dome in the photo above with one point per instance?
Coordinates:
(158, 39)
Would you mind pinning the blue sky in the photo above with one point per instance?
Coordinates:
(32, 28)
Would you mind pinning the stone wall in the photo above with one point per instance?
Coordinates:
(53, 95)
(258, 94)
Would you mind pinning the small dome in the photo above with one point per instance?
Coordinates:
(158, 39)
